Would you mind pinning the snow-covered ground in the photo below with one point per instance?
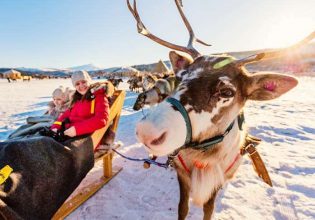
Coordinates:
(286, 125)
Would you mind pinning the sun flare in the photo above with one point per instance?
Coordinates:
(286, 28)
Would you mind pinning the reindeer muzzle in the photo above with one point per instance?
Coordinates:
(139, 102)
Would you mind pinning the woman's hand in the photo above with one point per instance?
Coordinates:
(71, 132)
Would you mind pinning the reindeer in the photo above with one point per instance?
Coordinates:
(148, 81)
(115, 82)
(200, 125)
(157, 93)
(26, 78)
(135, 83)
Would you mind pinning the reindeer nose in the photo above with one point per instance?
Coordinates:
(149, 135)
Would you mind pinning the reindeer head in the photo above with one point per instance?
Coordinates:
(212, 92)
(148, 81)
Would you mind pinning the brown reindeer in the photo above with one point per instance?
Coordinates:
(148, 81)
(26, 78)
(157, 93)
(200, 124)
(115, 82)
(135, 83)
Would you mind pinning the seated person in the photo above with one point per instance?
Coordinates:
(60, 103)
(89, 108)
(56, 107)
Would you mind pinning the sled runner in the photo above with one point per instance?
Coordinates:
(108, 171)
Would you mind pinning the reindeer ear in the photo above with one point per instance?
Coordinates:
(179, 62)
(266, 86)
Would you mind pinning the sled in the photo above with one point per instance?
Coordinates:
(108, 170)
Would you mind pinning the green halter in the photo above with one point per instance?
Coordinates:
(206, 144)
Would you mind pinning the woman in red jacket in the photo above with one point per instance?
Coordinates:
(88, 111)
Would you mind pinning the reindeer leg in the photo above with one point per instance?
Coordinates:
(209, 206)
(183, 206)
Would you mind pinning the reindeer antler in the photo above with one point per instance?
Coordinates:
(275, 53)
(144, 31)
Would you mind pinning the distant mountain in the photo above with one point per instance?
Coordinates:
(112, 69)
(87, 67)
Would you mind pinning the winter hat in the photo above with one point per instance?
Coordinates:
(59, 93)
(80, 75)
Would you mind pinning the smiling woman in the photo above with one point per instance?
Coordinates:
(88, 110)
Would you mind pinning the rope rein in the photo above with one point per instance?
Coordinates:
(164, 165)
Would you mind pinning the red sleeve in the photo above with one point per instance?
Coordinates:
(61, 118)
(98, 120)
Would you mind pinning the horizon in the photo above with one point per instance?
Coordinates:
(62, 35)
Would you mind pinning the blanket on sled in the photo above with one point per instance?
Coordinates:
(38, 174)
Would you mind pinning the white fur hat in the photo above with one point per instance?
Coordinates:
(80, 75)
(59, 93)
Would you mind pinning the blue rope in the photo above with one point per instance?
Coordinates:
(144, 116)
(164, 165)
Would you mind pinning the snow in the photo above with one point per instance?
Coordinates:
(41, 69)
(286, 125)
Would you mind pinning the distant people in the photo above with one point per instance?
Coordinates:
(89, 109)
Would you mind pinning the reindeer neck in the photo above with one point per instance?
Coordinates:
(208, 143)
(224, 155)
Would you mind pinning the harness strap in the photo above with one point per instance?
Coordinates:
(57, 123)
(183, 163)
(184, 113)
(201, 165)
(257, 162)
(92, 106)
(206, 144)
(232, 164)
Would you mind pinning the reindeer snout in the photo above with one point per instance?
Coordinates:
(150, 135)
(139, 102)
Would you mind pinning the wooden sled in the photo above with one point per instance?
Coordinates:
(108, 171)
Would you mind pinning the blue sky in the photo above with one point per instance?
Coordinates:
(66, 33)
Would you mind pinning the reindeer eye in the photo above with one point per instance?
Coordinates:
(227, 93)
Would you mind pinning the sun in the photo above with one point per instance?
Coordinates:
(286, 28)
